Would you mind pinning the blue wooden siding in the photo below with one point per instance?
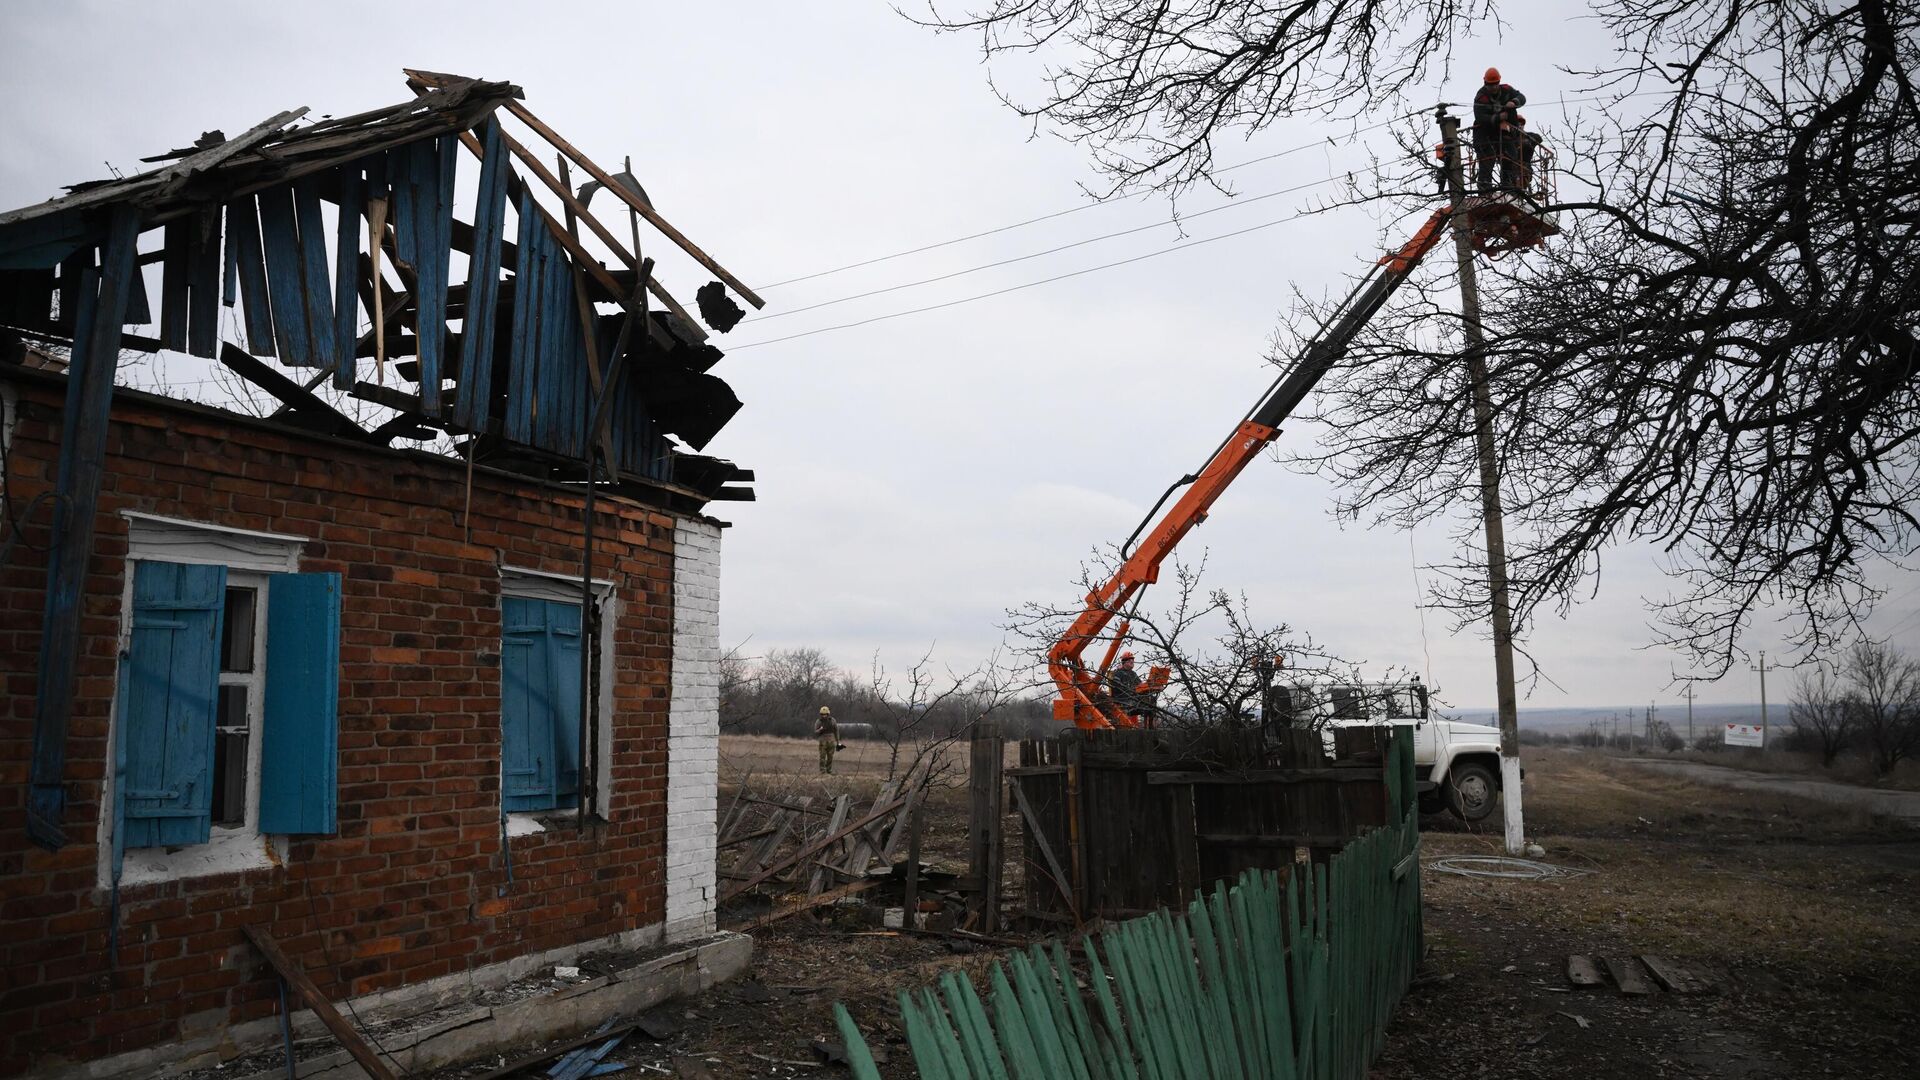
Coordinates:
(243, 237)
(171, 673)
(316, 289)
(346, 278)
(539, 704)
(173, 286)
(285, 275)
(300, 298)
(299, 748)
(474, 404)
(522, 359)
(203, 282)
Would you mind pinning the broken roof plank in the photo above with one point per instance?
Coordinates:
(346, 261)
(243, 234)
(438, 79)
(579, 209)
(173, 177)
(474, 397)
(288, 156)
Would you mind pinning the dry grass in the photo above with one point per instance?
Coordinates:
(1734, 877)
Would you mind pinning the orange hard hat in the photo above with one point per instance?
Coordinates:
(1493, 75)
(1126, 655)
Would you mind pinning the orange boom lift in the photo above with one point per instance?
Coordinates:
(1084, 698)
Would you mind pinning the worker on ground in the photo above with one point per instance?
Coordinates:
(1493, 107)
(828, 732)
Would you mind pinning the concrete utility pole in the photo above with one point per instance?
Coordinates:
(1763, 668)
(1689, 716)
(1501, 610)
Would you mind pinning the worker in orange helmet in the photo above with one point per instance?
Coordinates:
(1123, 683)
(1494, 107)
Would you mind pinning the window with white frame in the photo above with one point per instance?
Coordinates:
(225, 721)
(540, 700)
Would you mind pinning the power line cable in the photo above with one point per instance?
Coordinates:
(1177, 219)
(1185, 246)
(1083, 206)
(1563, 100)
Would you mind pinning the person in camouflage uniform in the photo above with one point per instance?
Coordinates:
(828, 731)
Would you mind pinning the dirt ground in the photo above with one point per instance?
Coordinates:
(1809, 915)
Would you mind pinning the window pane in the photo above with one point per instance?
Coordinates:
(236, 634)
(232, 715)
(1348, 704)
(230, 777)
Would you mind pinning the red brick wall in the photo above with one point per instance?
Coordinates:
(408, 889)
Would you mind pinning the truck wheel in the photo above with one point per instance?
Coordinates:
(1472, 792)
(1432, 802)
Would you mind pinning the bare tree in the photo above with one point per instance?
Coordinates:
(1883, 693)
(1148, 88)
(1717, 357)
(1217, 652)
(1822, 715)
(935, 709)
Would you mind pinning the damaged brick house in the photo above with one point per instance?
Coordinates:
(426, 719)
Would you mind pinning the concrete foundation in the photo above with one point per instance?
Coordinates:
(459, 1035)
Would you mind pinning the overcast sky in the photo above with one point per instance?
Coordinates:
(920, 475)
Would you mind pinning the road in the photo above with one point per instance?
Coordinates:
(1900, 805)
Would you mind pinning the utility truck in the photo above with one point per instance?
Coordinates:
(1457, 764)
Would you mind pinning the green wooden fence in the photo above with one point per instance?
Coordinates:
(1279, 975)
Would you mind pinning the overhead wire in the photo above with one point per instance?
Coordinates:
(1183, 245)
(1073, 209)
(1562, 101)
(1175, 220)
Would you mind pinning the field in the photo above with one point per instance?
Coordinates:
(1809, 915)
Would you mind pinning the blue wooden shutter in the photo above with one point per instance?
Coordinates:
(299, 747)
(539, 703)
(526, 707)
(563, 650)
(172, 678)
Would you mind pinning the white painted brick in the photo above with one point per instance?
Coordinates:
(693, 730)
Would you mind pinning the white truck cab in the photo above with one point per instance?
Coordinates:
(1457, 764)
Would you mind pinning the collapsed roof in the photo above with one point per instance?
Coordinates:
(335, 241)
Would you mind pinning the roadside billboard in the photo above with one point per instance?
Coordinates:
(1744, 735)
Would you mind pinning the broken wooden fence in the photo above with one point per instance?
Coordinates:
(1285, 973)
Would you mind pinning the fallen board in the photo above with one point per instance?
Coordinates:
(323, 1009)
(1626, 975)
(1581, 972)
(1672, 976)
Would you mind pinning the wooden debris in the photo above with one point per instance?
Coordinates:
(839, 818)
(1581, 972)
(322, 1008)
(1627, 975)
(810, 850)
(818, 900)
(1672, 976)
